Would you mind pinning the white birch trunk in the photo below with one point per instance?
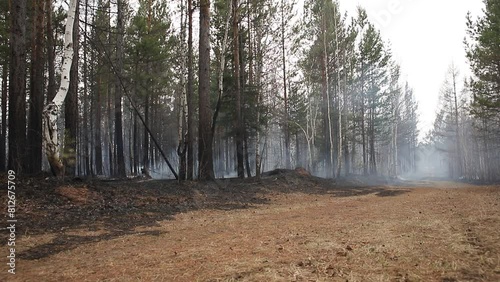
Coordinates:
(52, 111)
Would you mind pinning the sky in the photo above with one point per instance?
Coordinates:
(426, 37)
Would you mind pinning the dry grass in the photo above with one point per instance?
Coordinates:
(424, 234)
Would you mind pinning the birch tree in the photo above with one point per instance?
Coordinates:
(52, 111)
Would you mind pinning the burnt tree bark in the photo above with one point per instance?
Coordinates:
(71, 105)
(17, 87)
(205, 154)
(120, 159)
(36, 92)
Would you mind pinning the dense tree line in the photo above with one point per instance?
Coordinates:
(466, 131)
(266, 84)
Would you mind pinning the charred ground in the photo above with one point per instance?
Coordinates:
(69, 215)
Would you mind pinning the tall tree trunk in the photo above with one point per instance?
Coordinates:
(363, 127)
(36, 93)
(71, 105)
(145, 149)
(328, 148)
(136, 146)
(220, 79)
(52, 110)
(298, 155)
(182, 123)
(109, 124)
(373, 160)
(237, 91)
(205, 154)
(339, 97)
(17, 87)
(258, 39)
(51, 70)
(85, 133)
(285, 94)
(97, 127)
(454, 75)
(120, 166)
(190, 97)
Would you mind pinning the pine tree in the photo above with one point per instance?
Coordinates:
(483, 47)
(205, 140)
(4, 64)
(121, 5)
(17, 87)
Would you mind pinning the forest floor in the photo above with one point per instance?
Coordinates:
(288, 226)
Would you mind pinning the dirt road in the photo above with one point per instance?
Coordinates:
(447, 232)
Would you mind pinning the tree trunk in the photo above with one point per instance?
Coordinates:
(85, 133)
(454, 75)
(205, 154)
(285, 94)
(145, 149)
(53, 109)
(190, 97)
(237, 92)
(36, 93)
(373, 162)
(120, 166)
(247, 156)
(259, 55)
(339, 97)
(71, 106)
(17, 87)
(98, 137)
(326, 105)
(182, 123)
(363, 127)
(51, 70)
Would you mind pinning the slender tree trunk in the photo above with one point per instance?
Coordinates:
(120, 166)
(97, 126)
(52, 110)
(109, 127)
(182, 126)
(136, 146)
(457, 128)
(222, 66)
(237, 91)
(247, 156)
(17, 87)
(326, 105)
(373, 161)
(145, 149)
(205, 154)
(190, 97)
(71, 105)
(51, 70)
(258, 37)
(285, 94)
(298, 155)
(339, 97)
(85, 131)
(363, 128)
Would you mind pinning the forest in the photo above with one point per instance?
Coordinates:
(242, 140)
(231, 88)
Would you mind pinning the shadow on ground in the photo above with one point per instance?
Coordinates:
(118, 208)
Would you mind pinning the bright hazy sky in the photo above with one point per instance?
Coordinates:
(426, 37)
